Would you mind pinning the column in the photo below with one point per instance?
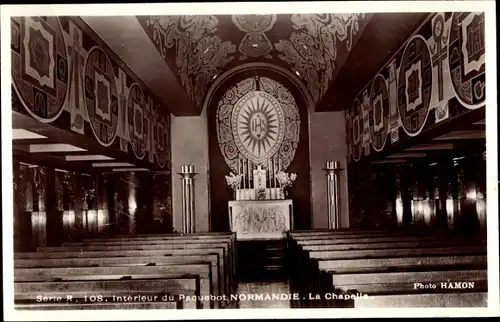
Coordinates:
(55, 228)
(187, 188)
(332, 189)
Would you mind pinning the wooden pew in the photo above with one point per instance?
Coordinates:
(388, 246)
(381, 264)
(168, 241)
(380, 270)
(324, 275)
(199, 235)
(177, 244)
(399, 252)
(355, 254)
(476, 299)
(73, 294)
(202, 269)
(360, 231)
(363, 239)
(365, 282)
(127, 261)
(193, 253)
(227, 236)
(294, 233)
(380, 287)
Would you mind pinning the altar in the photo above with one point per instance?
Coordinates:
(260, 219)
(259, 210)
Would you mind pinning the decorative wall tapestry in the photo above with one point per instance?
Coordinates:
(356, 129)
(161, 139)
(378, 112)
(101, 97)
(439, 74)
(255, 43)
(414, 85)
(39, 66)
(467, 58)
(58, 69)
(257, 119)
(312, 49)
(200, 54)
(77, 61)
(137, 128)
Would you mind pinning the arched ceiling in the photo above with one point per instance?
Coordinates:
(180, 56)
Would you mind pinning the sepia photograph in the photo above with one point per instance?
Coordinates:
(249, 160)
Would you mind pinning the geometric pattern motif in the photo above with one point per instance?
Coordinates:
(39, 66)
(467, 58)
(161, 139)
(137, 123)
(355, 130)
(415, 85)
(379, 113)
(58, 67)
(101, 97)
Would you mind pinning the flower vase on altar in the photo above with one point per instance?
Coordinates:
(234, 181)
(286, 181)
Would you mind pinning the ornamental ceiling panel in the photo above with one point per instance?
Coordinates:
(199, 48)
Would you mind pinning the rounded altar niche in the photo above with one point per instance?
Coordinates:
(257, 119)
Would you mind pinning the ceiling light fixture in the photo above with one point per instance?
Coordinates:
(56, 147)
(297, 72)
(29, 165)
(22, 134)
(215, 76)
(255, 45)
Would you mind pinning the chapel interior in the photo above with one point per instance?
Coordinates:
(206, 162)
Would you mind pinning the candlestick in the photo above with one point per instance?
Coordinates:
(244, 175)
(274, 171)
(251, 176)
(269, 172)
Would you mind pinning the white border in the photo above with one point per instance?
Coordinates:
(234, 8)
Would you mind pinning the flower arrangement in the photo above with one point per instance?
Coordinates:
(286, 180)
(233, 180)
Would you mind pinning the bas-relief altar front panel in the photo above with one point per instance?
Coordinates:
(261, 219)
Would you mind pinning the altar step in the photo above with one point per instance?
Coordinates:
(262, 260)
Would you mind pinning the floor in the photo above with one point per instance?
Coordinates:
(280, 289)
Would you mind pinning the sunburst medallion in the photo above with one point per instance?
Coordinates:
(258, 126)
